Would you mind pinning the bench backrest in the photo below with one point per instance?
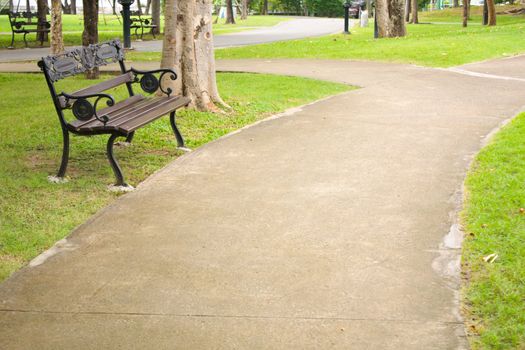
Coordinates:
(81, 60)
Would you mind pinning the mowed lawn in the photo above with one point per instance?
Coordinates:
(34, 213)
(440, 41)
(110, 27)
(494, 223)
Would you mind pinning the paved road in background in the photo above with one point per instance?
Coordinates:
(330, 228)
(297, 28)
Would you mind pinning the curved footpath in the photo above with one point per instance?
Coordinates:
(329, 227)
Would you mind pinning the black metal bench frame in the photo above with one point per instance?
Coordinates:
(94, 121)
(21, 24)
(138, 22)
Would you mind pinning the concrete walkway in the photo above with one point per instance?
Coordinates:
(297, 28)
(332, 227)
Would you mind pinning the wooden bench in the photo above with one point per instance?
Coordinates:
(23, 23)
(117, 119)
(139, 22)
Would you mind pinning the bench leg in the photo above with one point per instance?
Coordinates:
(113, 162)
(25, 41)
(12, 41)
(178, 136)
(65, 154)
(130, 137)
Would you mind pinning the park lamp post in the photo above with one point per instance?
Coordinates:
(126, 14)
(347, 14)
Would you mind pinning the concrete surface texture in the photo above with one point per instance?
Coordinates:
(331, 227)
(297, 28)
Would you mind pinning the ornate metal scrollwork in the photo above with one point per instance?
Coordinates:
(149, 83)
(65, 65)
(84, 110)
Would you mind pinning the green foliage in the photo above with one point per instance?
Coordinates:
(35, 213)
(494, 222)
(325, 8)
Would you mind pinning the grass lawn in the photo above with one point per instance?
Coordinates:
(494, 222)
(110, 27)
(443, 43)
(35, 213)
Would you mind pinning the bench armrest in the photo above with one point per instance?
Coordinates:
(84, 110)
(150, 83)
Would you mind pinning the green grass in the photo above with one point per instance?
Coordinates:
(110, 27)
(35, 213)
(437, 45)
(494, 222)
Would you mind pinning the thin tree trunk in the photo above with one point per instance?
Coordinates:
(11, 6)
(42, 10)
(90, 33)
(265, 8)
(390, 18)
(73, 7)
(148, 7)
(492, 12)
(57, 41)
(230, 16)
(414, 19)
(188, 48)
(114, 7)
(139, 6)
(465, 12)
(155, 15)
(408, 5)
(244, 14)
(455, 3)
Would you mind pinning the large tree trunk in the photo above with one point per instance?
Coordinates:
(230, 16)
(155, 15)
(407, 10)
(414, 19)
(188, 48)
(390, 18)
(42, 10)
(90, 33)
(465, 12)
(245, 10)
(492, 12)
(264, 8)
(73, 5)
(57, 41)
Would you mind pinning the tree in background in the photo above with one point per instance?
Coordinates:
(57, 41)
(414, 9)
(42, 11)
(90, 33)
(390, 18)
(245, 9)
(188, 48)
(155, 15)
(230, 16)
(465, 12)
(264, 10)
(492, 12)
(408, 5)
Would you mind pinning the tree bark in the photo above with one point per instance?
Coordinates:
(188, 48)
(465, 12)
(414, 6)
(492, 12)
(455, 3)
(73, 5)
(245, 10)
(148, 7)
(57, 41)
(114, 7)
(90, 33)
(390, 18)
(42, 11)
(265, 8)
(230, 16)
(408, 5)
(139, 7)
(155, 15)
(11, 6)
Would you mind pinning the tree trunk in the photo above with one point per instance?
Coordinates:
(455, 3)
(57, 41)
(492, 12)
(114, 7)
(265, 8)
(465, 12)
(188, 48)
(390, 18)
(230, 16)
(244, 14)
(148, 6)
(90, 33)
(414, 19)
(155, 15)
(139, 7)
(408, 6)
(11, 6)
(73, 7)
(42, 10)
